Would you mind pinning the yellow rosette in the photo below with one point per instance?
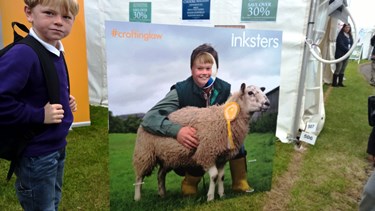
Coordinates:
(231, 110)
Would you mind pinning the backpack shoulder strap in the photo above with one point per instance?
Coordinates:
(16, 37)
(48, 67)
(67, 72)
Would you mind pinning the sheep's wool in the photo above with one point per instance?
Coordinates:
(212, 133)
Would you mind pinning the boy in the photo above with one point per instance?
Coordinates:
(24, 103)
(200, 90)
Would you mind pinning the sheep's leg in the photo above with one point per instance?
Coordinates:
(161, 181)
(220, 181)
(212, 171)
(138, 188)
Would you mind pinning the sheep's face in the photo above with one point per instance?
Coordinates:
(254, 98)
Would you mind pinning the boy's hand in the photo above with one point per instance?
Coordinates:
(72, 103)
(53, 113)
(187, 137)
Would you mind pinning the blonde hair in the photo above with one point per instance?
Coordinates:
(204, 48)
(66, 5)
(204, 57)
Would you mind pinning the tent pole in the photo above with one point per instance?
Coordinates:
(301, 85)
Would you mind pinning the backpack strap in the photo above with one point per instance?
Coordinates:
(11, 169)
(48, 67)
(16, 36)
(21, 145)
(67, 72)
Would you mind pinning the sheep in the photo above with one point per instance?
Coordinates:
(213, 150)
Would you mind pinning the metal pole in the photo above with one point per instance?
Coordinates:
(301, 85)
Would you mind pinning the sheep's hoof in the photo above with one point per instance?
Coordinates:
(210, 197)
(222, 195)
(137, 198)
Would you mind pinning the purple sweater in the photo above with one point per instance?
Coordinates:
(23, 95)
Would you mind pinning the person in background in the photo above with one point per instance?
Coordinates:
(344, 42)
(371, 139)
(371, 147)
(372, 42)
(24, 103)
(368, 195)
(367, 202)
(201, 89)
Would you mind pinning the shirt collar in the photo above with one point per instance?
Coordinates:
(48, 46)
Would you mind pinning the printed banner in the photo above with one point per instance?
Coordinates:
(145, 60)
(196, 9)
(140, 12)
(357, 52)
(259, 10)
(1, 32)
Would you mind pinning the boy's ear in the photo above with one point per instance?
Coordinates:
(27, 11)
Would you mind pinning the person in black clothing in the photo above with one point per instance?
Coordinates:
(344, 41)
(372, 80)
(371, 146)
(371, 140)
(368, 195)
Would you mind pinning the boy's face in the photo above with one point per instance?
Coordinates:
(201, 73)
(49, 23)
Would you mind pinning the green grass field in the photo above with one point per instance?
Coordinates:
(260, 148)
(334, 170)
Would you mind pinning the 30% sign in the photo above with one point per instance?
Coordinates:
(139, 14)
(257, 9)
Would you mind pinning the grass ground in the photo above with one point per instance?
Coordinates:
(331, 174)
(260, 148)
(86, 180)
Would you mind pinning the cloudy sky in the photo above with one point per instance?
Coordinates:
(362, 12)
(140, 72)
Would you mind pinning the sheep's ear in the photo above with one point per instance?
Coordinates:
(243, 87)
(262, 88)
